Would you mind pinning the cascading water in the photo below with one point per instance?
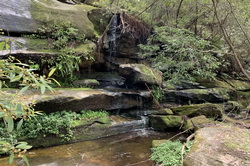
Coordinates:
(113, 35)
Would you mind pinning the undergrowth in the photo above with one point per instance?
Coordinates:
(59, 124)
(169, 153)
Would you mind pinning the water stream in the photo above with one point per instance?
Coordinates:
(129, 149)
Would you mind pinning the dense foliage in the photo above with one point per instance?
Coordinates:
(63, 38)
(58, 123)
(12, 106)
(180, 54)
(169, 153)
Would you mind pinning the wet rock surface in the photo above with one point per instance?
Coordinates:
(77, 100)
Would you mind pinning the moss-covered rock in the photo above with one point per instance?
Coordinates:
(161, 122)
(156, 143)
(207, 109)
(197, 123)
(165, 111)
(140, 74)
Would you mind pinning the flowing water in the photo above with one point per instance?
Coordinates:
(129, 149)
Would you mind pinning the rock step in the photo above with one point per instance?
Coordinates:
(83, 99)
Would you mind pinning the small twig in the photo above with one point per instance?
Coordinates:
(180, 133)
(184, 146)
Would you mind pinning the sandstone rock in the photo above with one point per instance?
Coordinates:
(207, 109)
(81, 99)
(162, 122)
(25, 16)
(140, 74)
(214, 95)
(220, 146)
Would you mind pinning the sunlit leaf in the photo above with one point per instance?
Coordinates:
(23, 146)
(51, 72)
(43, 89)
(19, 124)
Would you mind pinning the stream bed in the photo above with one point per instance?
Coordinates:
(129, 149)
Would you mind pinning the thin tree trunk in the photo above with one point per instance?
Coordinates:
(242, 29)
(178, 12)
(226, 36)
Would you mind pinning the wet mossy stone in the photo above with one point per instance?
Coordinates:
(165, 111)
(198, 122)
(162, 122)
(140, 74)
(156, 143)
(208, 109)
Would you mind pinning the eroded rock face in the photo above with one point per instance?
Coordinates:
(220, 146)
(77, 100)
(140, 74)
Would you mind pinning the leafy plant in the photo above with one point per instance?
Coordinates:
(12, 106)
(180, 54)
(169, 153)
(60, 34)
(58, 123)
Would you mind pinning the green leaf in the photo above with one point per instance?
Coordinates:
(19, 124)
(19, 108)
(2, 44)
(11, 158)
(43, 88)
(24, 89)
(7, 47)
(2, 114)
(10, 124)
(55, 81)
(23, 146)
(26, 160)
(51, 72)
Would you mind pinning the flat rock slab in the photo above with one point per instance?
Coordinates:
(77, 100)
(220, 146)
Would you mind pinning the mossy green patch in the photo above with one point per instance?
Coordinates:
(162, 122)
(156, 143)
(207, 109)
(41, 45)
(197, 122)
(51, 11)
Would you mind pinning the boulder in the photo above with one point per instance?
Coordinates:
(207, 109)
(198, 122)
(162, 122)
(25, 16)
(85, 99)
(219, 146)
(214, 95)
(140, 74)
